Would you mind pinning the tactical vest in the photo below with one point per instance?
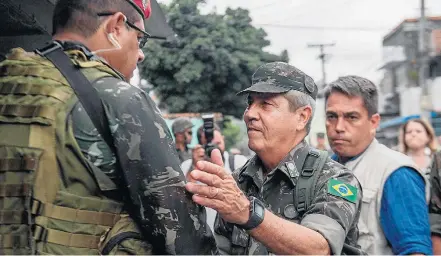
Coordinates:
(52, 201)
(372, 168)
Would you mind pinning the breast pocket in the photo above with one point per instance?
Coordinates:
(366, 238)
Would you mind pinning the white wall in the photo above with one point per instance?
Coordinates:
(318, 122)
(435, 93)
(410, 101)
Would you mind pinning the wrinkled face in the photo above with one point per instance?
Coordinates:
(218, 140)
(415, 136)
(125, 59)
(349, 127)
(270, 123)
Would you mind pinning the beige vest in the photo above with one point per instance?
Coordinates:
(372, 168)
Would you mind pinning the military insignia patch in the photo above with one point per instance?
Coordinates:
(343, 190)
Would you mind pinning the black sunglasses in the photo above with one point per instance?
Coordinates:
(141, 40)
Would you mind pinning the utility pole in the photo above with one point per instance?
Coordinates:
(426, 101)
(322, 56)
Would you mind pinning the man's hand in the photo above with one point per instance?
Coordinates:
(221, 192)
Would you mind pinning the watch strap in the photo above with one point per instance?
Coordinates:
(257, 213)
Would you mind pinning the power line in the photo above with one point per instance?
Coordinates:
(324, 28)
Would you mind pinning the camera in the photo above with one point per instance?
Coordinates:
(209, 133)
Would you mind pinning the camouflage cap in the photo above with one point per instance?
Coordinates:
(181, 124)
(280, 77)
(142, 6)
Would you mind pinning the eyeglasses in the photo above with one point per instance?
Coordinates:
(141, 40)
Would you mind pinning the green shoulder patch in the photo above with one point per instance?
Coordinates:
(343, 190)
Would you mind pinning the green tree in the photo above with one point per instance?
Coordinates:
(232, 134)
(212, 59)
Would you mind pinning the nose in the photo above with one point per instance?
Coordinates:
(250, 113)
(141, 56)
(340, 126)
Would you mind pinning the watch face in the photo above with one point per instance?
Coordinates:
(258, 209)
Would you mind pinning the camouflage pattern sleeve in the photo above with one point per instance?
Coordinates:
(336, 205)
(224, 231)
(435, 195)
(151, 171)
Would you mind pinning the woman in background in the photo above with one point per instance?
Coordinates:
(418, 141)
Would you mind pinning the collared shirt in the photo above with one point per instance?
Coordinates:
(333, 217)
(403, 214)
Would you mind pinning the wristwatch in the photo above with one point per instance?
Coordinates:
(257, 213)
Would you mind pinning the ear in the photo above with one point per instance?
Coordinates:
(115, 23)
(304, 115)
(375, 121)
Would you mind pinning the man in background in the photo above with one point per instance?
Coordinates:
(181, 129)
(321, 142)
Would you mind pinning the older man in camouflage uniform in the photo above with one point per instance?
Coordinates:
(290, 198)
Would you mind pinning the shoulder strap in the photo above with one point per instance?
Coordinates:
(312, 166)
(82, 87)
(231, 162)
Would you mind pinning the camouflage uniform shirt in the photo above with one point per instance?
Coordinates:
(150, 168)
(333, 217)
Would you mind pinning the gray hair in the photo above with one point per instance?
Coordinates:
(356, 86)
(299, 99)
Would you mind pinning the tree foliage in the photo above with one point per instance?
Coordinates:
(212, 59)
(231, 134)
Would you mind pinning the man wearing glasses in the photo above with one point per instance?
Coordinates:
(104, 39)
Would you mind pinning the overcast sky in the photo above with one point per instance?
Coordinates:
(355, 26)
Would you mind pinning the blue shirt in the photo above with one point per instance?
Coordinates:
(404, 214)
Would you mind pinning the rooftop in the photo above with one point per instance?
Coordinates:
(410, 20)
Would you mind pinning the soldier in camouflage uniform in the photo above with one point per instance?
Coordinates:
(435, 203)
(264, 201)
(151, 166)
(109, 34)
(181, 129)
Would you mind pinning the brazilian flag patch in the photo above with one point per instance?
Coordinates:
(343, 190)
